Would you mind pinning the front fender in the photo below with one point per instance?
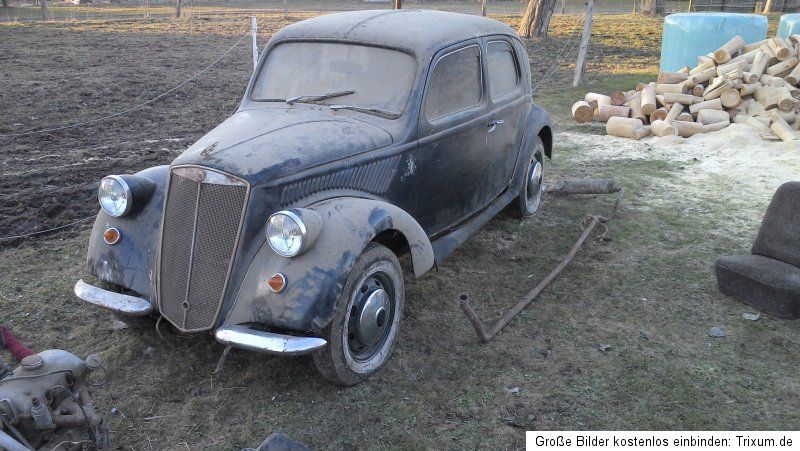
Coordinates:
(130, 262)
(316, 278)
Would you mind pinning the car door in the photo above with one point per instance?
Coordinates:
(452, 139)
(509, 106)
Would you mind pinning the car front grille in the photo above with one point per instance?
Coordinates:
(201, 225)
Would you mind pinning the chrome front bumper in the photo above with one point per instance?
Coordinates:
(267, 342)
(121, 303)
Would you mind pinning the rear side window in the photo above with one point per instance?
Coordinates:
(456, 83)
(502, 65)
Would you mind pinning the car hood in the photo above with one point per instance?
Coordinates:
(261, 145)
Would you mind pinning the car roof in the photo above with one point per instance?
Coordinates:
(422, 32)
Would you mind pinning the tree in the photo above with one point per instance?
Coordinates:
(178, 9)
(536, 20)
(653, 6)
(5, 3)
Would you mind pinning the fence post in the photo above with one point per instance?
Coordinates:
(254, 31)
(580, 65)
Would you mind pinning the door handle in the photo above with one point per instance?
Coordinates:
(493, 124)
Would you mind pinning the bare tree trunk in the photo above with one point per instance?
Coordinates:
(483, 8)
(44, 9)
(768, 7)
(537, 18)
(5, 3)
(398, 4)
(178, 8)
(653, 6)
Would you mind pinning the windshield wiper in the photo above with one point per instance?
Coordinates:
(373, 111)
(317, 98)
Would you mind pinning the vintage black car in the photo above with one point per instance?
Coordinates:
(361, 136)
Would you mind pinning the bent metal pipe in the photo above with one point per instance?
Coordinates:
(562, 187)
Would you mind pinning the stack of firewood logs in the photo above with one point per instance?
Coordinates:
(754, 84)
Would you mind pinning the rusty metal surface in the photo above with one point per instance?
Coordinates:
(316, 278)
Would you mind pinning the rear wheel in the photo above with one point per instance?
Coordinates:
(366, 319)
(530, 191)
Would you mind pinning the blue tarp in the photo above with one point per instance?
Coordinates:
(689, 35)
(789, 25)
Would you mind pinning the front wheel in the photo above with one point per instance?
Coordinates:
(366, 319)
(530, 193)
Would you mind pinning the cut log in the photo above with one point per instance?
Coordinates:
(783, 66)
(601, 99)
(794, 76)
(687, 129)
(724, 54)
(730, 98)
(758, 124)
(685, 117)
(649, 99)
(779, 48)
(697, 91)
(713, 91)
(609, 111)
(783, 131)
(582, 112)
(754, 46)
(626, 128)
(730, 67)
(749, 89)
(672, 77)
(703, 76)
(684, 99)
(715, 104)
(659, 115)
(674, 112)
(661, 128)
(759, 63)
(706, 117)
(675, 88)
(617, 97)
(741, 118)
(716, 126)
(749, 77)
(707, 64)
(636, 108)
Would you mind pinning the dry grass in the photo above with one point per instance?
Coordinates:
(648, 290)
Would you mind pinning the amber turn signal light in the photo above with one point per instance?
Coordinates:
(111, 235)
(277, 282)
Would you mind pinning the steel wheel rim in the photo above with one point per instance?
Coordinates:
(371, 316)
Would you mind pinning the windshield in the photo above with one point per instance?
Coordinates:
(378, 78)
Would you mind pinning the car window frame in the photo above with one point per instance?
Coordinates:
(507, 95)
(466, 113)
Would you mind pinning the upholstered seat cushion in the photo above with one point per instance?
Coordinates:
(779, 236)
(764, 283)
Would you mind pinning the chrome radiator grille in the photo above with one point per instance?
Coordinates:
(202, 220)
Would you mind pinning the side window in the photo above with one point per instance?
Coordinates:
(502, 65)
(456, 83)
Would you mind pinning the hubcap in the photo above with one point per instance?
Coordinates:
(371, 316)
(535, 180)
(372, 319)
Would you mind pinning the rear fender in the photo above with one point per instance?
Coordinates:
(537, 125)
(315, 279)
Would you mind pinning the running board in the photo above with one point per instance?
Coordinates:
(443, 247)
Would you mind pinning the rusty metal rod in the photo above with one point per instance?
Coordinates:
(483, 336)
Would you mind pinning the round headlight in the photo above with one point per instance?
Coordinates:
(286, 233)
(115, 196)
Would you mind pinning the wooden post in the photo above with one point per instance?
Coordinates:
(254, 32)
(580, 65)
(398, 4)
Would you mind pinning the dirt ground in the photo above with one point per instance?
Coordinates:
(647, 290)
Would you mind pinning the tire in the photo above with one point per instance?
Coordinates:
(530, 192)
(366, 319)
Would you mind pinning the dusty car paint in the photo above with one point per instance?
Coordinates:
(365, 175)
